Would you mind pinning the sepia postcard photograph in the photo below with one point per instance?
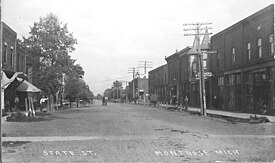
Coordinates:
(137, 81)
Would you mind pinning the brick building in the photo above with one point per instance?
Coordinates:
(173, 75)
(244, 64)
(13, 62)
(158, 83)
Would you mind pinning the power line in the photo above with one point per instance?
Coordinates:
(133, 70)
(107, 80)
(145, 65)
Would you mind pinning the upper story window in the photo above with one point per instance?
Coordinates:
(259, 43)
(4, 57)
(271, 44)
(204, 56)
(11, 57)
(218, 60)
(194, 69)
(249, 51)
(233, 55)
(204, 64)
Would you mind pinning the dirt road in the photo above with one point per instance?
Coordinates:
(135, 133)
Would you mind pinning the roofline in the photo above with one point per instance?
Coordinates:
(269, 7)
(178, 53)
(9, 28)
(158, 68)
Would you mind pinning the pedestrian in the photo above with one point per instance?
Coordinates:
(216, 104)
(16, 101)
(181, 103)
(103, 100)
(174, 100)
(186, 102)
(43, 104)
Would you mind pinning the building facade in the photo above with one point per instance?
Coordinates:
(158, 83)
(244, 65)
(173, 77)
(13, 60)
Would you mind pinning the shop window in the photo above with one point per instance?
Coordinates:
(231, 80)
(220, 81)
(259, 41)
(238, 79)
(271, 44)
(249, 51)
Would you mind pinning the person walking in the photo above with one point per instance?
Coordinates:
(186, 102)
(216, 103)
(16, 101)
(103, 100)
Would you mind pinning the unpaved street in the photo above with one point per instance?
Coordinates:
(135, 133)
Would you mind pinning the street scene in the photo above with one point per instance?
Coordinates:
(135, 133)
(137, 81)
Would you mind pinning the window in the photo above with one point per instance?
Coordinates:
(271, 44)
(238, 79)
(218, 60)
(204, 64)
(231, 80)
(194, 69)
(11, 58)
(4, 57)
(233, 55)
(220, 81)
(204, 55)
(22, 63)
(259, 48)
(249, 50)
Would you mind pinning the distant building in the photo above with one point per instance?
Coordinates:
(139, 91)
(158, 83)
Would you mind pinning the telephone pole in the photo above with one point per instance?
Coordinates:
(133, 70)
(145, 65)
(197, 29)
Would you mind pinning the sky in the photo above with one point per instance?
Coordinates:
(114, 35)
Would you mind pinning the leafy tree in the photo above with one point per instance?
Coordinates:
(76, 89)
(49, 45)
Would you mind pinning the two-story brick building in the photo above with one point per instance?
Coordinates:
(182, 71)
(244, 65)
(13, 62)
(158, 83)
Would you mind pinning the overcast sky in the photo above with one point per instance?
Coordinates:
(114, 35)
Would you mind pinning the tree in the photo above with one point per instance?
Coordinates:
(76, 89)
(49, 45)
(117, 85)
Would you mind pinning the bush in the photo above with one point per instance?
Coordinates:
(18, 116)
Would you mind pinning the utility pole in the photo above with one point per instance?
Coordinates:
(1, 80)
(133, 70)
(145, 65)
(197, 28)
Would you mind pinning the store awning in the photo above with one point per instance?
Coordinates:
(5, 82)
(26, 86)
